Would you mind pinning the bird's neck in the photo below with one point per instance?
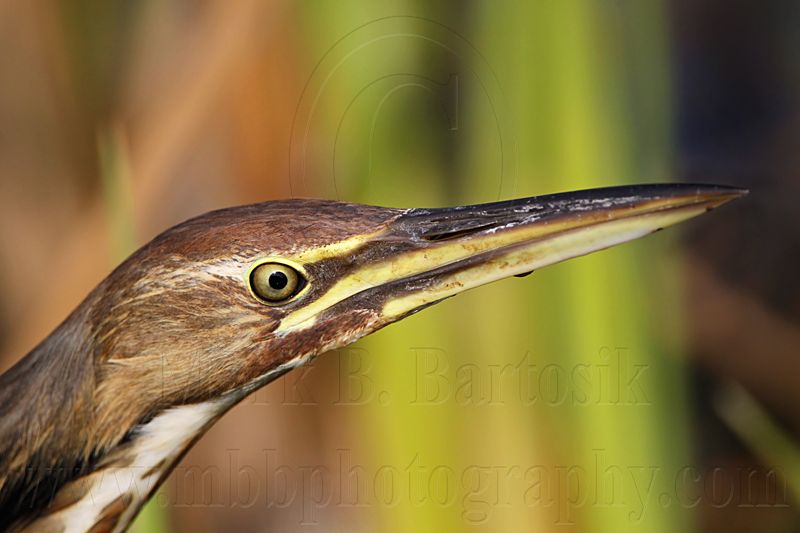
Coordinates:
(109, 496)
(68, 456)
(45, 410)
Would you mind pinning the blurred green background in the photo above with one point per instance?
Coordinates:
(652, 387)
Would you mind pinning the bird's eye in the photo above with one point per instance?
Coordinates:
(275, 282)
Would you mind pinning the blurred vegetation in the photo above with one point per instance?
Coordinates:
(443, 141)
(117, 120)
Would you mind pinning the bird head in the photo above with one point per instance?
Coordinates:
(225, 302)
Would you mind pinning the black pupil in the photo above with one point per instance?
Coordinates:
(278, 280)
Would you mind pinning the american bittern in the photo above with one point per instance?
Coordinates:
(222, 304)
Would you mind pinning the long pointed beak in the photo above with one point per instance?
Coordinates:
(426, 255)
(475, 245)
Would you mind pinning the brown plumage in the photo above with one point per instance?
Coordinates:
(149, 327)
(177, 325)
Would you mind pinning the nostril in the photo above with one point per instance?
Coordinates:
(450, 223)
(454, 232)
